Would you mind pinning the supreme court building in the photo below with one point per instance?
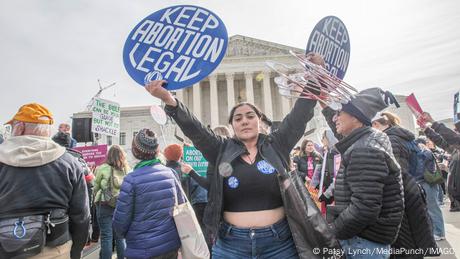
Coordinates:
(242, 76)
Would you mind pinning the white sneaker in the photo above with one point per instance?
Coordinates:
(438, 238)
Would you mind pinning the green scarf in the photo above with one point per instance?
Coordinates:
(147, 163)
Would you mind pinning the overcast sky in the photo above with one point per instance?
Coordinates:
(53, 52)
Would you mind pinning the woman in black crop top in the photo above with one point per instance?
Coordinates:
(245, 211)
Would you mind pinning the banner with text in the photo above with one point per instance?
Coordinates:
(106, 117)
(193, 157)
(180, 44)
(93, 155)
(330, 39)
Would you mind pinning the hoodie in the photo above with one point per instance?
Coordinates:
(37, 176)
(29, 151)
(416, 230)
(399, 137)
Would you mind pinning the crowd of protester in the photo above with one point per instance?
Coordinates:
(377, 184)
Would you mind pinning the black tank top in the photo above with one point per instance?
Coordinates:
(252, 187)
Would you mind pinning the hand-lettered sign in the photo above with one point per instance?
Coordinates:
(106, 117)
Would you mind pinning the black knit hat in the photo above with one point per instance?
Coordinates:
(367, 103)
(145, 145)
(62, 139)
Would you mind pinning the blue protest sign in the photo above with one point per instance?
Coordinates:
(181, 44)
(330, 39)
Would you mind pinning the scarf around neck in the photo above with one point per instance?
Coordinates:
(147, 163)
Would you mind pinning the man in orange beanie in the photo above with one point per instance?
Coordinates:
(47, 184)
(173, 152)
(197, 195)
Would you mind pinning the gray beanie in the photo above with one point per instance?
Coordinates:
(367, 103)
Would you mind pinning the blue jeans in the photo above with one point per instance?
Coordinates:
(274, 241)
(360, 248)
(104, 218)
(440, 195)
(434, 210)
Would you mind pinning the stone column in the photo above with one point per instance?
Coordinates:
(180, 95)
(230, 90)
(285, 102)
(249, 87)
(214, 101)
(197, 100)
(285, 106)
(267, 95)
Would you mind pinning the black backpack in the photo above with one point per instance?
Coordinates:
(416, 160)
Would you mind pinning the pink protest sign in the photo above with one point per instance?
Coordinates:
(93, 155)
(414, 106)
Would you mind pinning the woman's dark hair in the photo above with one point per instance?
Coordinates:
(253, 107)
(457, 127)
(266, 120)
(303, 145)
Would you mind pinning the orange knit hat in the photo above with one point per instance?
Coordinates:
(173, 152)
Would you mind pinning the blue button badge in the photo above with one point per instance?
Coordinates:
(233, 182)
(265, 167)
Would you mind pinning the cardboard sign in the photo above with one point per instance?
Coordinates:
(158, 114)
(106, 117)
(93, 155)
(181, 44)
(456, 107)
(193, 157)
(414, 106)
(330, 39)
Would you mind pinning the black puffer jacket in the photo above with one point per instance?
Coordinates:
(416, 229)
(369, 196)
(274, 148)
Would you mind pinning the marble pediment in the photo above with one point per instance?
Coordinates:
(242, 46)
